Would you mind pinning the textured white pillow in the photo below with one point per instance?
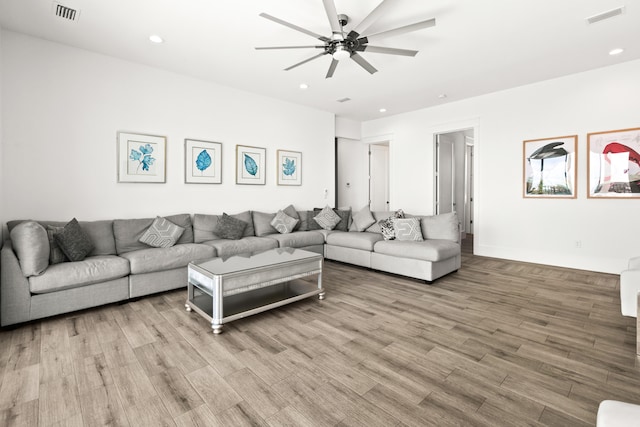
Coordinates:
(162, 233)
(284, 223)
(327, 218)
(407, 229)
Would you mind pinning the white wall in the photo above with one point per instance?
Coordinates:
(347, 128)
(507, 225)
(63, 107)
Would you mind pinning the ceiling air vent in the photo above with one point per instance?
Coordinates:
(65, 12)
(605, 15)
(344, 99)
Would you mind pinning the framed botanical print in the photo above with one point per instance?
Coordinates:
(203, 162)
(289, 167)
(250, 165)
(141, 158)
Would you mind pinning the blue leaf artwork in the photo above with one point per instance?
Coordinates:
(250, 165)
(143, 157)
(289, 167)
(203, 161)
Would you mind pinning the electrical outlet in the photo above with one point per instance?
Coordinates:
(578, 244)
(326, 193)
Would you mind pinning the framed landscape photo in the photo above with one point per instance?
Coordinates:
(203, 162)
(141, 158)
(613, 159)
(289, 167)
(549, 167)
(250, 165)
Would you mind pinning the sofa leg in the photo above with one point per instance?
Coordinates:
(429, 282)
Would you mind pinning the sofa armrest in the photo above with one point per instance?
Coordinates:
(15, 297)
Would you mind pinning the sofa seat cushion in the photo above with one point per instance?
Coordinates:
(69, 275)
(298, 239)
(354, 239)
(428, 250)
(226, 248)
(159, 259)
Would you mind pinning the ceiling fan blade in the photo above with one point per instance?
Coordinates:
(387, 50)
(332, 14)
(363, 63)
(370, 18)
(290, 47)
(294, 27)
(332, 68)
(402, 30)
(305, 61)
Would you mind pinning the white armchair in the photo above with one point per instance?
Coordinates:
(629, 288)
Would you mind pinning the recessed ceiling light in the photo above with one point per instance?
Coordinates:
(304, 86)
(156, 38)
(383, 110)
(442, 96)
(617, 51)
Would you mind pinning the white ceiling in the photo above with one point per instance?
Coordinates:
(476, 47)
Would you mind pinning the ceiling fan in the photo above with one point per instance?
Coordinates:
(342, 46)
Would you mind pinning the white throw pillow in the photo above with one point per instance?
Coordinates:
(327, 218)
(362, 219)
(284, 223)
(407, 229)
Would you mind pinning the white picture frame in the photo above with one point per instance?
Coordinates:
(141, 158)
(203, 162)
(289, 167)
(250, 165)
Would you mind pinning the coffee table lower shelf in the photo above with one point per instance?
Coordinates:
(245, 304)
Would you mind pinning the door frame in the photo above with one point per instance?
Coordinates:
(386, 139)
(460, 126)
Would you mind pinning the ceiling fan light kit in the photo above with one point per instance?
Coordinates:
(342, 46)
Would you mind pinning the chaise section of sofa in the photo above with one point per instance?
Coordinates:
(25, 294)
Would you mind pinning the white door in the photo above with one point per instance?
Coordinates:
(379, 177)
(468, 188)
(445, 175)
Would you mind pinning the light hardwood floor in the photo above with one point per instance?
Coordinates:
(499, 343)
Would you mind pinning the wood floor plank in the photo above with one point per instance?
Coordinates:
(213, 389)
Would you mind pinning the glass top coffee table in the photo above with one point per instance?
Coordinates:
(226, 289)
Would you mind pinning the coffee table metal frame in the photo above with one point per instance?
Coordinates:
(221, 297)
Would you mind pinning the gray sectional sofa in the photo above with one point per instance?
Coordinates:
(120, 267)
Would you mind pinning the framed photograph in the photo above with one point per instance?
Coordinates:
(550, 167)
(203, 162)
(250, 165)
(141, 158)
(613, 161)
(289, 167)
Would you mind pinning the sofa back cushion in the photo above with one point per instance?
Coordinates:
(205, 226)
(100, 232)
(442, 227)
(127, 232)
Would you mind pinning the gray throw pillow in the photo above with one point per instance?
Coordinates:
(31, 245)
(246, 217)
(162, 233)
(311, 223)
(284, 223)
(56, 256)
(74, 242)
(327, 218)
(230, 227)
(362, 219)
(293, 213)
(345, 219)
(407, 229)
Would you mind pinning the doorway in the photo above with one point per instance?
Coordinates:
(379, 176)
(454, 175)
